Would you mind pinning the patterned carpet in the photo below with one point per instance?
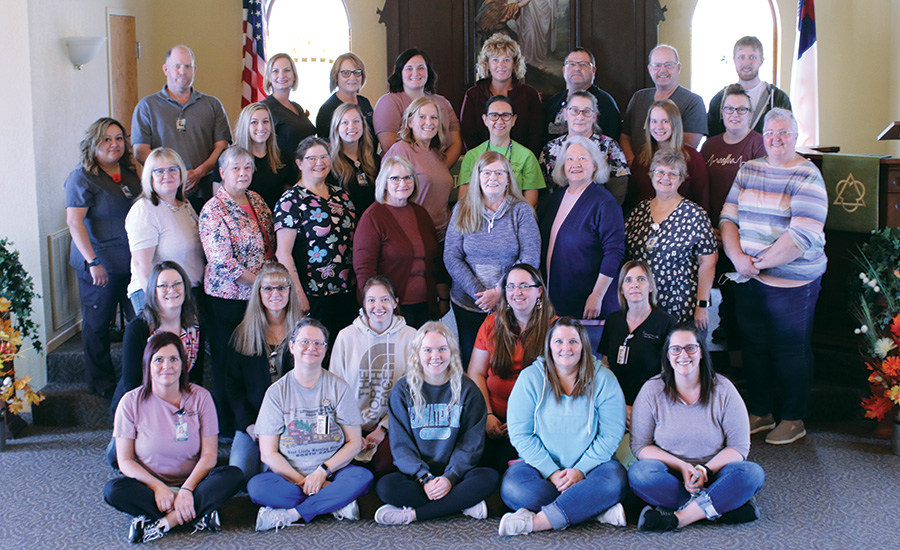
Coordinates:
(835, 489)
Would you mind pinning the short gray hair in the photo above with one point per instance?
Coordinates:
(778, 113)
(601, 167)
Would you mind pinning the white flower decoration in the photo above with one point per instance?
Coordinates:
(883, 346)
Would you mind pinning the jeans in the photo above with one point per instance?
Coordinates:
(603, 487)
(731, 487)
(776, 329)
(245, 455)
(348, 484)
(401, 490)
(138, 300)
(594, 333)
(136, 499)
(467, 324)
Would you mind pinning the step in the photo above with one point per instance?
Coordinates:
(65, 364)
(70, 404)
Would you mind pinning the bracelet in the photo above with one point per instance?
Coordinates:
(191, 491)
(703, 468)
(443, 299)
(492, 414)
(426, 478)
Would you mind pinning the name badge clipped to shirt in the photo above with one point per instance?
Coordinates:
(181, 124)
(558, 126)
(323, 420)
(622, 356)
(362, 179)
(181, 427)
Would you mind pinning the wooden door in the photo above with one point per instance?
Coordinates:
(123, 86)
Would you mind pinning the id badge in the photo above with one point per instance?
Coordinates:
(321, 424)
(362, 179)
(622, 356)
(180, 124)
(181, 431)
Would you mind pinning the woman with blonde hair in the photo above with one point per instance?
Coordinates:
(492, 229)
(348, 76)
(501, 71)
(290, 120)
(437, 418)
(354, 162)
(273, 173)
(258, 355)
(423, 142)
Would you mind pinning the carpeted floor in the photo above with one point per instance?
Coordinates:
(835, 489)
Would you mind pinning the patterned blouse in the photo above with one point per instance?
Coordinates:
(615, 157)
(671, 249)
(233, 241)
(324, 242)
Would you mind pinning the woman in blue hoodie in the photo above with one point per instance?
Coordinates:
(566, 417)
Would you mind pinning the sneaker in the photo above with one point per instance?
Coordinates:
(761, 423)
(614, 515)
(787, 431)
(136, 530)
(209, 522)
(152, 531)
(274, 518)
(657, 519)
(350, 511)
(745, 514)
(391, 515)
(520, 522)
(479, 511)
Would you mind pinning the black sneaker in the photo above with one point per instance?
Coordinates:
(136, 531)
(745, 514)
(657, 519)
(209, 522)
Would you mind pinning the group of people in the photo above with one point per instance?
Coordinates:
(578, 261)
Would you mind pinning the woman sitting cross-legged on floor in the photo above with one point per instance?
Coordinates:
(566, 417)
(437, 419)
(691, 434)
(166, 441)
(309, 431)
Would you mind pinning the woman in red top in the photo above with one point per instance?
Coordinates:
(507, 342)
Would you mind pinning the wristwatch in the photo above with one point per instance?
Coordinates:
(702, 303)
(92, 263)
(426, 478)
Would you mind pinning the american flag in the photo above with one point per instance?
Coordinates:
(805, 76)
(254, 53)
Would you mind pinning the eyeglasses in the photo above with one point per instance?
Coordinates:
(579, 64)
(308, 343)
(575, 111)
(270, 289)
(313, 158)
(499, 174)
(347, 74)
(174, 286)
(493, 117)
(667, 65)
(397, 179)
(692, 349)
(728, 109)
(665, 173)
(521, 286)
(780, 133)
(171, 170)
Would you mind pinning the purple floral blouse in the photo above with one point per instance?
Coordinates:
(233, 241)
(324, 242)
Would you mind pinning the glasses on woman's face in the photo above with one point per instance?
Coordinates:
(728, 110)
(347, 73)
(499, 174)
(270, 289)
(315, 159)
(667, 174)
(575, 111)
(506, 117)
(521, 286)
(691, 349)
(174, 286)
(306, 343)
(171, 170)
(397, 179)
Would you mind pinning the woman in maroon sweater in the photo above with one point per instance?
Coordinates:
(396, 238)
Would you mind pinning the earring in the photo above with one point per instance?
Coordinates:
(539, 304)
(508, 306)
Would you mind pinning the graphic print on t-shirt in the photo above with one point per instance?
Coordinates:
(436, 420)
(375, 380)
(310, 434)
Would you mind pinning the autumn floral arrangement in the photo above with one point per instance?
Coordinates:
(879, 313)
(16, 296)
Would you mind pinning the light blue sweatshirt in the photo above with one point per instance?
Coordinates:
(580, 433)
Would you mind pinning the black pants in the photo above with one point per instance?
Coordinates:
(336, 312)
(224, 317)
(467, 323)
(401, 490)
(136, 499)
(98, 309)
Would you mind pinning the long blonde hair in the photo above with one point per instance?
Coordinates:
(677, 139)
(470, 212)
(441, 141)
(249, 337)
(242, 134)
(415, 375)
(341, 166)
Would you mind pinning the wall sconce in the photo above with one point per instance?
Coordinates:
(83, 49)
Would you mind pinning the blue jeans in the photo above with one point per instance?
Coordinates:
(349, 483)
(733, 485)
(604, 486)
(245, 455)
(776, 330)
(138, 300)
(594, 333)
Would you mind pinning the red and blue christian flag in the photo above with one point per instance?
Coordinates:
(804, 76)
(254, 54)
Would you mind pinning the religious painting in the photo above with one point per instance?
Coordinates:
(543, 29)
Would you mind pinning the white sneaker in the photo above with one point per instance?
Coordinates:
(520, 522)
(479, 511)
(391, 515)
(614, 515)
(274, 518)
(350, 511)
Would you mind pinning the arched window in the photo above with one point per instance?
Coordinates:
(715, 27)
(314, 33)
